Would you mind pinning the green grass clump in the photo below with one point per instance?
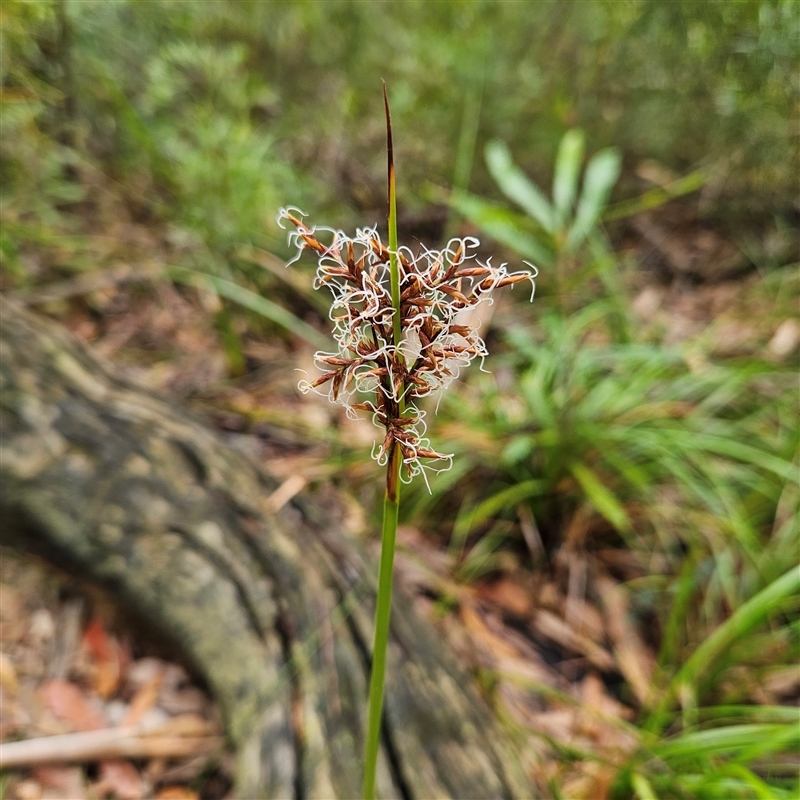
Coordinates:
(615, 424)
(691, 464)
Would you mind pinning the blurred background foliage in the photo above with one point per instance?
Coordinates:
(228, 110)
(584, 137)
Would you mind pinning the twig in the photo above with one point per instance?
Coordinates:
(108, 743)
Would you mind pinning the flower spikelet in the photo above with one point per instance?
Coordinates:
(436, 288)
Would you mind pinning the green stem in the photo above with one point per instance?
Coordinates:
(391, 507)
(382, 613)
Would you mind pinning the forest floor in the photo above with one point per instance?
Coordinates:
(540, 650)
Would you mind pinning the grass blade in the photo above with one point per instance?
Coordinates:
(517, 186)
(499, 223)
(601, 175)
(601, 497)
(249, 299)
(565, 180)
(642, 787)
(747, 453)
(747, 617)
(729, 740)
(507, 498)
(658, 196)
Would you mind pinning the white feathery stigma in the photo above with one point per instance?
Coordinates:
(435, 287)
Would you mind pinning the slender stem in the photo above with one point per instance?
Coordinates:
(383, 610)
(391, 506)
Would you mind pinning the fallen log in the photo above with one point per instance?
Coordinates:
(272, 609)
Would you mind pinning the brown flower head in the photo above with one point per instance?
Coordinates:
(436, 288)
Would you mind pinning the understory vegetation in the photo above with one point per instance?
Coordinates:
(631, 458)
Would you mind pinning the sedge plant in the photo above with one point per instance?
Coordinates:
(404, 329)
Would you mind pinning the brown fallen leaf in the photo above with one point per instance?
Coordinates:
(555, 629)
(622, 563)
(176, 793)
(107, 658)
(145, 698)
(588, 621)
(595, 696)
(12, 614)
(786, 339)
(178, 695)
(285, 492)
(634, 659)
(142, 670)
(71, 706)
(506, 652)
(59, 782)
(495, 645)
(783, 681)
(8, 675)
(558, 723)
(121, 779)
(603, 710)
(507, 594)
(594, 782)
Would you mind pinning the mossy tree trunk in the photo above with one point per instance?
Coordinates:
(274, 611)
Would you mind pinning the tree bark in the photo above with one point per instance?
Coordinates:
(274, 611)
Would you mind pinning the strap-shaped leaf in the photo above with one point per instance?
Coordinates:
(756, 611)
(517, 186)
(659, 195)
(499, 223)
(601, 497)
(601, 175)
(249, 299)
(726, 740)
(565, 180)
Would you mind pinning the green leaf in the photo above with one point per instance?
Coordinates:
(601, 497)
(748, 616)
(642, 787)
(518, 449)
(601, 175)
(299, 281)
(565, 180)
(684, 588)
(535, 388)
(507, 497)
(483, 557)
(499, 223)
(747, 454)
(470, 516)
(658, 196)
(249, 299)
(632, 472)
(718, 785)
(517, 186)
(762, 790)
(728, 740)
(768, 714)
(781, 739)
